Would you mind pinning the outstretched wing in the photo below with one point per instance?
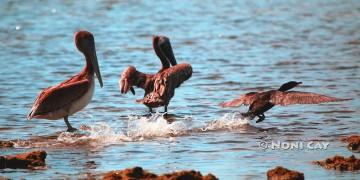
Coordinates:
(167, 81)
(165, 84)
(296, 97)
(57, 97)
(245, 99)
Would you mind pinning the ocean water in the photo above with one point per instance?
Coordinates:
(234, 47)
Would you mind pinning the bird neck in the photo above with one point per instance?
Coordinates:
(286, 87)
(88, 69)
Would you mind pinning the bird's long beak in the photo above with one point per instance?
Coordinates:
(166, 49)
(126, 87)
(132, 90)
(95, 64)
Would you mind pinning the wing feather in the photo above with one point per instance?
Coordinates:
(172, 78)
(245, 99)
(296, 97)
(165, 84)
(56, 97)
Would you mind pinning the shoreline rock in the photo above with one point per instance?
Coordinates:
(281, 173)
(340, 163)
(6, 144)
(354, 143)
(187, 174)
(28, 160)
(139, 173)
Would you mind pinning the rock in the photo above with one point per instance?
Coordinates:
(340, 163)
(6, 144)
(281, 173)
(30, 160)
(354, 143)
(136, 173)
(139, 173)
(194, 175)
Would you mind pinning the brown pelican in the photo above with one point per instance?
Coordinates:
(261, 102)
(160, 87)
(72, 95)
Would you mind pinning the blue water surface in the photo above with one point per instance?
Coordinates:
(234, 47)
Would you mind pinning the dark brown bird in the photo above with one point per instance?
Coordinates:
(72, 95)
(160, 87)
(261, 102)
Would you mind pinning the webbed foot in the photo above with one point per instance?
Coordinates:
(71, 129)
(261, 118)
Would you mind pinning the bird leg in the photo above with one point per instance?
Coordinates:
(150, 109)
(165, 108)
(70, 128)
(261, 117)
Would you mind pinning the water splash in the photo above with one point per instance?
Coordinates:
(228, 121)
(156, 126)
(138, 128)
(98, 133)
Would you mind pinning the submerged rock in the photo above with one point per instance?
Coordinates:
(6, 144)
(139, 173)
(340, 163)
(354, 143)
(281, 173)
(30, 160)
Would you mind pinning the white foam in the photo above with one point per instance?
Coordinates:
(96, 134)
(227, 121)
(138, 129)
(156, 126)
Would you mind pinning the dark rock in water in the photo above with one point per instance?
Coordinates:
(131, 173)
(354, 143)
(30, 160)
(195, 175)
(139, 173)
(340, 163)
(6, 144)
(281, 173)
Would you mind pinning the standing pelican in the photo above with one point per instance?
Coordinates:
(72, 95)
(160, 87)
(261, 102)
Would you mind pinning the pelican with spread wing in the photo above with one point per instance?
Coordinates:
(260, 102)
(160, 87)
